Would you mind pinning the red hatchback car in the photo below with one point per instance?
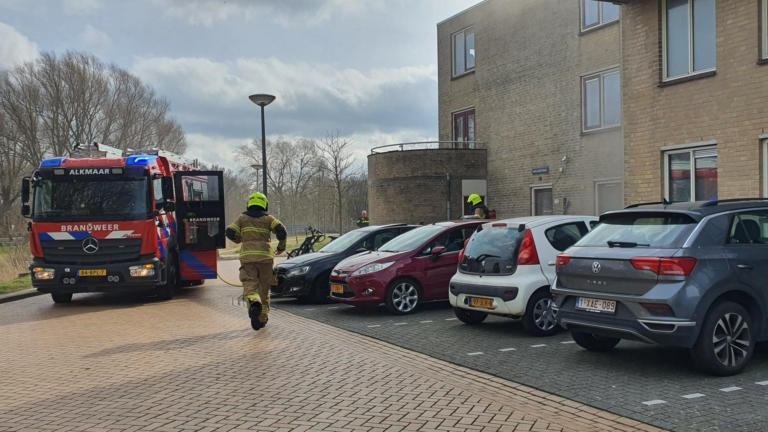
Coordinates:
(412, 268)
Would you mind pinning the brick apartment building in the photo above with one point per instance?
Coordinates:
(540, 82)
(695, 76)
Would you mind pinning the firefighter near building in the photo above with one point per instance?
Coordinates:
(107, 220)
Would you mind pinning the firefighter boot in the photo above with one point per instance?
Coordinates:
(254, 311)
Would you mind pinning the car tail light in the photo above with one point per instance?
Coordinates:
(461, 254)
(562, 261)
(528, 254)
(665, 266)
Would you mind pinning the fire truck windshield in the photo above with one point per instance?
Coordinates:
(91, 200)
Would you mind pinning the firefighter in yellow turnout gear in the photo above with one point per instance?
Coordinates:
(253, 229)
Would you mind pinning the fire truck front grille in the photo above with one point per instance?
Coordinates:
(109, 251)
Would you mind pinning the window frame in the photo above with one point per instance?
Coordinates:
(691, 151)
(600, 22)
(764, 164)
(533, 198)
(691, 72)
(554, 227)
(600, 77)
(464, 113)
(467, 70)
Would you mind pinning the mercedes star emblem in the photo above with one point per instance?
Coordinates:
(596, 267)
(90, 245)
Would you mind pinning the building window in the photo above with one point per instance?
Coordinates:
(596, 13)
(464, 128)
(764, 19)
(541, 201)
(463, 52)
(689, 37)
(691, 175)
(601, 100)
(609, 196)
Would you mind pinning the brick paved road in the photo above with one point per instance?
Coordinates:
(649, 384)
(117, 363)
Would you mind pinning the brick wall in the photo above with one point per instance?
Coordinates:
(727, 107)
(411, 186)
(526, 90)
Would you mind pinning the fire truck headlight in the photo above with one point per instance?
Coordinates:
(117, 170)
(43, 273)
(142, 270)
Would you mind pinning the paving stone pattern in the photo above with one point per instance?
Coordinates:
(106, 363)
(619, 381)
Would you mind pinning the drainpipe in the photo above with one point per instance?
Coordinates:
(448, 202)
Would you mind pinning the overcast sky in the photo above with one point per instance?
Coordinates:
(365, 67)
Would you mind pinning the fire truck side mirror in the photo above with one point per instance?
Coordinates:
(26, 209)
(167, 188)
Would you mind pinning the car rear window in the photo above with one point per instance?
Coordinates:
(654, 230)
(492, 250)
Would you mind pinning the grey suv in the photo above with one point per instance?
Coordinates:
(693, 275)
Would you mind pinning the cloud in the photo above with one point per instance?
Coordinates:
(81, 7)
(95, 38)
(288, 13)
(15, 48)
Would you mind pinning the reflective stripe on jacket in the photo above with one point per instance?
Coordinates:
(255, 236)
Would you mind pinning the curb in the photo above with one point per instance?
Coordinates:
(20, 295)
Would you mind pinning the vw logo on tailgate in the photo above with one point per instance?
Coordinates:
(596, 267)
(90, 245)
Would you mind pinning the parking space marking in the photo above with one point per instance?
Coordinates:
(507, 349)
(568, 342)
(401, 323)
(654, 402)
(424, 322)
(335, 307)
(694, 396)
(308, 309)
(538, 346)
(372, 326)
(451, 319)
(730, 389)
(474, 354)
(762, 383)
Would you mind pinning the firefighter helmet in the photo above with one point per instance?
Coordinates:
(474, 199)
(258, 199)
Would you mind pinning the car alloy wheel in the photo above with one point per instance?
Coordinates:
(543, 315)
(405, 297)
(731, 339)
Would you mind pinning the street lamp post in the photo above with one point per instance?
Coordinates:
(257, 168)
(263, 100)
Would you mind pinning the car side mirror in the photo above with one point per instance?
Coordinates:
(436, 252)
(26, 210)
(25, 189)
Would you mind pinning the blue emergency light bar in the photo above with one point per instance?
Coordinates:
(137, 160)
(52, 162)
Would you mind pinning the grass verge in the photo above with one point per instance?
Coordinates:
(18, 284)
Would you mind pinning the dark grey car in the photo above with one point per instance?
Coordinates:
(693, 275)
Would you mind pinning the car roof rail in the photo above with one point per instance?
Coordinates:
(731, 200)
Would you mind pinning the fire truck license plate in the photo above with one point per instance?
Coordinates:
(92, 273)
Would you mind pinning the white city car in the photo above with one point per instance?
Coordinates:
(507, 267)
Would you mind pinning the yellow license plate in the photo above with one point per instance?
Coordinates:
(92, 273)
(481, 303)
(274, 282)
(339, 289)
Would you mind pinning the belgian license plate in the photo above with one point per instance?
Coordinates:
(596, 305)
(481, 303)
(338, 289)
(92, 272)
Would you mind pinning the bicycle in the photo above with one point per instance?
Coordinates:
(313, 237)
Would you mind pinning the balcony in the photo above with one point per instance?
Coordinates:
(431, 145)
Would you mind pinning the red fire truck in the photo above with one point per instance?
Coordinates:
(106, 220)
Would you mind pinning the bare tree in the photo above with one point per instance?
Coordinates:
(337, 162)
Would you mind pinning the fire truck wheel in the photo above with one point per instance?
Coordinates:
(61, 297)
(167, 291)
